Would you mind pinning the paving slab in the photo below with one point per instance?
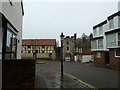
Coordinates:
(52, 79)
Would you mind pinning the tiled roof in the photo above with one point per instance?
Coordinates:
(39, 42)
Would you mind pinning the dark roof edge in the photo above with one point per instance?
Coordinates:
(22, 7)
(100, 24)
(113, 15)
(101, 37)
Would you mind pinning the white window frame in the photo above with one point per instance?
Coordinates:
(115, 53)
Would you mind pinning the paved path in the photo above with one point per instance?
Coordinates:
(0, 74)
(98, 77)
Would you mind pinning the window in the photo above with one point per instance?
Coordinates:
(98, 55)
(29, 51)
(111, 40)
(117, 53)
(118, 21)
(67, 48)
(95, 32)
(111, 24)
(67, 42)
(118, 39)
(43, 47)
(94, 44)
(100, 44)
(11, 45)
(80, 50)
(29, 46)
(100, 30)
(43, 51)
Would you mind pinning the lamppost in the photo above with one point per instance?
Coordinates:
(62, 37)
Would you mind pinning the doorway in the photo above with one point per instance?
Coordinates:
(107, 60)
(67, 57)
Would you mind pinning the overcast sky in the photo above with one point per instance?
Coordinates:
(48, 19)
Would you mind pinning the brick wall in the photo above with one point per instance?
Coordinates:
(18, 73)
(87, 51)
(114, 61)
(103, 60)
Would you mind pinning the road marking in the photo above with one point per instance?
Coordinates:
(90, 86)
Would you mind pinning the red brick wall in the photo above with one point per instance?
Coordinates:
(114, 61)
(18, 73)
(102, 60)
(87, 51)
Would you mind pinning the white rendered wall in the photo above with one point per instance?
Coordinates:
(119, 6)
(14, 15)
(87, 58)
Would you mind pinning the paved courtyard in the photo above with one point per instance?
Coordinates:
(0, 74)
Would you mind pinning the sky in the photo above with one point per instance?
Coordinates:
(46, 20)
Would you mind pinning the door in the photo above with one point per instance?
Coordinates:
(107, 60)
(68, 57)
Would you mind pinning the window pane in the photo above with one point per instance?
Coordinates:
(7, 56)
(14, 43)
(118, 52)
(13, 56)
(111, 24)
(0, 56)
(118, 36)
(111, 37)
(8, 43)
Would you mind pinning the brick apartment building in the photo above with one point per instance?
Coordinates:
(106, 41)
(39, 48)
(83, 51)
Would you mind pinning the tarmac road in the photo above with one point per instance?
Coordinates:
(95, 76)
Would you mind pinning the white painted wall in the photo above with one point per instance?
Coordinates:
(14, 15)
(87, 58)
(119, 6)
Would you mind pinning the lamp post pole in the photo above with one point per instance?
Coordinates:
(62, 37)
(62, 59)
